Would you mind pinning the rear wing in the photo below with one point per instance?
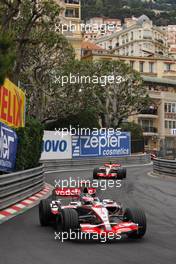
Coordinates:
(112, 165)
(72, 192)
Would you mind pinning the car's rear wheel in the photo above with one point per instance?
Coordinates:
(136, 216)
(45, 214)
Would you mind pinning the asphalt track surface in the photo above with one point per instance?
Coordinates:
(23, 241)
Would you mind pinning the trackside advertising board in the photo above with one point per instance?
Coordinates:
(109, 145)
(12, 105)
(8, 148)
(56, 146)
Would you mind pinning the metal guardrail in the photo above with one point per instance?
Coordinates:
(53, 165)
(17, 186)
(164, 167)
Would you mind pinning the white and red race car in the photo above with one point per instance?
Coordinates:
(87, 214)
(153, 156)
(110, 170)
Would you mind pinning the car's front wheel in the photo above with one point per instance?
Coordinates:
(136, 216)
(68, 220)
(45, 215)
(95, 171)
(121, 172)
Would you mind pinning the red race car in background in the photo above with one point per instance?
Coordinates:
(88, 214)
(153, 156)
(110, 170)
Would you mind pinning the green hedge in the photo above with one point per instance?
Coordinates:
(85, 119)
(137, 139)
(135, 129)
(29, 144)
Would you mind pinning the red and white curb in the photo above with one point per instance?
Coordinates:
(24, 205)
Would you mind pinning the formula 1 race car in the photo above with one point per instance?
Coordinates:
(88, 214)
(153, 156)
(109, 170)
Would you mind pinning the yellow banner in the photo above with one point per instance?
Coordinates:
(12, 105)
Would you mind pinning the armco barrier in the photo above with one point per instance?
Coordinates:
(17, 186)
(164, 167)
(54, 165)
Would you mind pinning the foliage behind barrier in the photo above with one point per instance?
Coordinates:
(137, 139)
(29, 145)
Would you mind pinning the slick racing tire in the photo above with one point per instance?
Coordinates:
(45, 215)
(69, 219)
(137, 216)
(121, 172)
(95, 171)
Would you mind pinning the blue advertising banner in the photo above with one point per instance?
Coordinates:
(8, 148)
(117, 144)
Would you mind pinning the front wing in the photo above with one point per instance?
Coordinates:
(109, 175)
(117, 229)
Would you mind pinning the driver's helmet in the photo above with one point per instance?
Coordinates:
(85, 190)
(87, 199)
